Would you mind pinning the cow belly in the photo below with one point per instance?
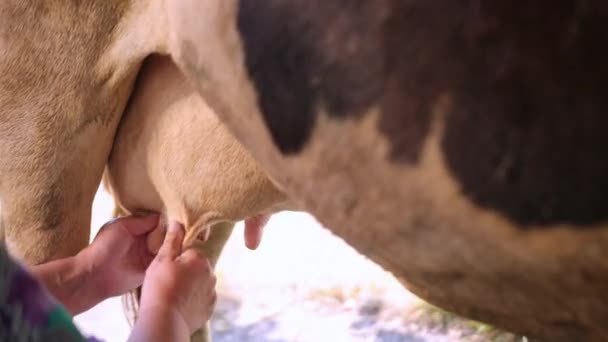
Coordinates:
(415, 221)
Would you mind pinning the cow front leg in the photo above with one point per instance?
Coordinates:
(49, 116)
(47, 187)
(66, 72)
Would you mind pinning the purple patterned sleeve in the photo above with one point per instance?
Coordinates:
(28, 312)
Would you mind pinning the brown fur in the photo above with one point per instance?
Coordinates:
(64, 80)
(66, 73)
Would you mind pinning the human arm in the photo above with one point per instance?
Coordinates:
(114, 263)
(69, 281)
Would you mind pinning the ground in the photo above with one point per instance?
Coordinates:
(303, 285)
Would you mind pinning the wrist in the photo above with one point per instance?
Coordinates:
(166, 308)
(69, 281)
(90, 290)
(159, 322)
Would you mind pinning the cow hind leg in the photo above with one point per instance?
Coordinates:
(212, 250)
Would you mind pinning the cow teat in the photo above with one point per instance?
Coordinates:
(156, 237)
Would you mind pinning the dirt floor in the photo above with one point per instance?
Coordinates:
(304, 284)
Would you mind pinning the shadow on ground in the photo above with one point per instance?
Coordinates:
(365, 325)
(224, 328)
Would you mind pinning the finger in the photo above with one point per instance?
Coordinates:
(139, 225)
(212, 283)
(155, 239)
(198, 260)
(114, 234)
(213, 297)
(145, 257)
(172, 245)
(191, 255)
(254, 227)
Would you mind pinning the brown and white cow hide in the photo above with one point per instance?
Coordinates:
(458, 144)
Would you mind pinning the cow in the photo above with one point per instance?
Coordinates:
(457, 144)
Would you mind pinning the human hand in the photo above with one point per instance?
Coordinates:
(179, 281)
(118, 257)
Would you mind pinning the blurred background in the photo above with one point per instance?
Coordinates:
(302, 285)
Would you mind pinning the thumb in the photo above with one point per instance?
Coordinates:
(172, 245)
(139, 225)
